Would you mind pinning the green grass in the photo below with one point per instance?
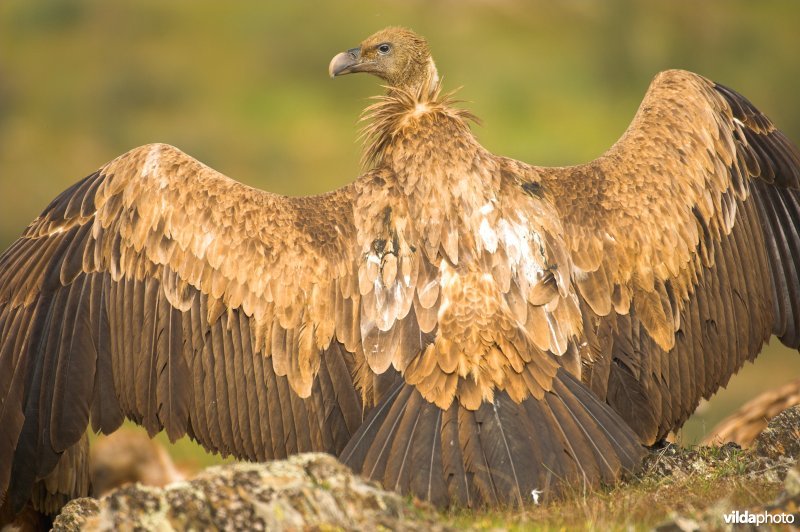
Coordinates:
(640, 504)
(635, 506)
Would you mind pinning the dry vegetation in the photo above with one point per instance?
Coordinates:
(707, 482)
(313, 490)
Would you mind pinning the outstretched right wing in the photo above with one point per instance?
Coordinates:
(151, 289)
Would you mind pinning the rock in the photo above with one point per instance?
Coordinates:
(315, 491)
(74, 514)
(788, 502)
(793, 482)
(774, 451)
(744, 425)
(305, 491)
(679, 464)
(781, 438)
(771, 459)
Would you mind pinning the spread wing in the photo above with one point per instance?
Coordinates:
(685, 249)
(151, 289)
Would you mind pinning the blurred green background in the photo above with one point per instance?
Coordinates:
(243, 87)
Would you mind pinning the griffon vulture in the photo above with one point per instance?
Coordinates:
(458, 325)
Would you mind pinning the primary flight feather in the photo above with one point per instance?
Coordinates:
(458, 325)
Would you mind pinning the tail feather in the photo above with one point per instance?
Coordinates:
(574, 443)
(458, 485)
(553, 470)
(628, 450)
(376, 461)
(502, 453)
(356, 450)
(497, 441)
(68, 479)
(474, 455)
(602, 449)
(426, 451)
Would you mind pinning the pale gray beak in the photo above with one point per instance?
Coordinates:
(345, 63)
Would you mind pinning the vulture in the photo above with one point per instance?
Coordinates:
(743, 426)
(460, 326)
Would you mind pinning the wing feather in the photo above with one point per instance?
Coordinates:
(147, 290)
(696, 206)
(106, 413)
(73, 385)
(275, 407)
(198, 413)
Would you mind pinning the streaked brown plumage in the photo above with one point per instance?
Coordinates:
(744, 425)
(457, 325)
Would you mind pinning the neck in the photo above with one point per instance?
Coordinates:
(421, 79)
(437, 163)
(394, 121)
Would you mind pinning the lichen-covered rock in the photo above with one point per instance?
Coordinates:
(679, 464)
(74, 514)
(771, 458)
(789, 500)
(305, 491)
(315, 491)
(793, 482)
(782, 436)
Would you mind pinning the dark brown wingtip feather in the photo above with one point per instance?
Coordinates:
(778, 164)
(778, 157)
(58, 361)
(68, 480)
(500, 453)
(33, 451)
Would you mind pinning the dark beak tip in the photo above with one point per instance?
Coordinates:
(342, 63)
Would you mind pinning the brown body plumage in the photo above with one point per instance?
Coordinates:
(504, 328)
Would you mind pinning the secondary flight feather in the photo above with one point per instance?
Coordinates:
(458, 325)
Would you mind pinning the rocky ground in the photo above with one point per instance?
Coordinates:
(679, 489)
(774, 451)
(310, 490)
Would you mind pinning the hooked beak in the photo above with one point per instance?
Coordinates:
(345, 63)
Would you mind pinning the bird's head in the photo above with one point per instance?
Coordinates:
(397, 55)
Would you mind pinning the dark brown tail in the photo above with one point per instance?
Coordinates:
(503, 453)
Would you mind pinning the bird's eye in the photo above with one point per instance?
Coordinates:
(384, 48)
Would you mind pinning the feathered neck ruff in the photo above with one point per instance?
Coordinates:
(396, 112)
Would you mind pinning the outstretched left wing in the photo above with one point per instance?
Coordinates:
(684, 240)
